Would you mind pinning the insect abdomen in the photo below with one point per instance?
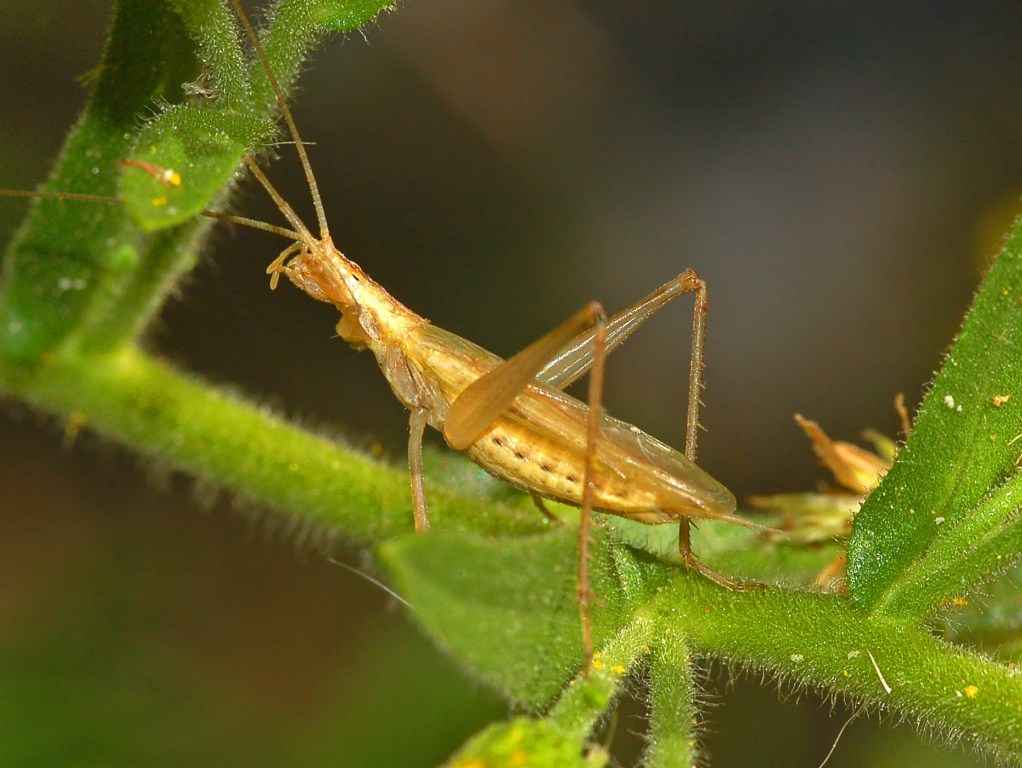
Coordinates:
(548, 468)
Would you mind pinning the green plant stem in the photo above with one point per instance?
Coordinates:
(673, 712)
(812, 639)
(182, 422)
(585, 700)
(69, 256)
(826, 643)
(132, 302)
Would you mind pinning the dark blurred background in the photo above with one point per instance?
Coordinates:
(839, 172)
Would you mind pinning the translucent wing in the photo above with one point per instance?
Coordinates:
(538, 444)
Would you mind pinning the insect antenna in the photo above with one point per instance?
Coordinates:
(284, 207)
(324, 229)
(59, 196)
(298, 231)
(244, 221)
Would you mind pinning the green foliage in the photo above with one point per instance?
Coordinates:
(200, 143)
(524, 742)
(70, 258)
(946, 517)
(493, 583)
(474, 609)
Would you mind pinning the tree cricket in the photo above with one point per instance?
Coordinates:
(511, 416)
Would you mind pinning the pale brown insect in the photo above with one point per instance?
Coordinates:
(511, 416)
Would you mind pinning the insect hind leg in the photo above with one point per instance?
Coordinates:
(689, 559)
(585, 592)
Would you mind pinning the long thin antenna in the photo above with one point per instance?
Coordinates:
(59, 196)
(244, 221)
(324, 230)
(284, 207)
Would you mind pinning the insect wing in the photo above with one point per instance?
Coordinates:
(446, 364)
(626, 451)
(542, 414)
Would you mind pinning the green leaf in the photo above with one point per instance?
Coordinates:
(344, 17)
(827, 643)
(189, 153)
(949, 503)
(213, 28)
(508, 608)
(524, 742)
